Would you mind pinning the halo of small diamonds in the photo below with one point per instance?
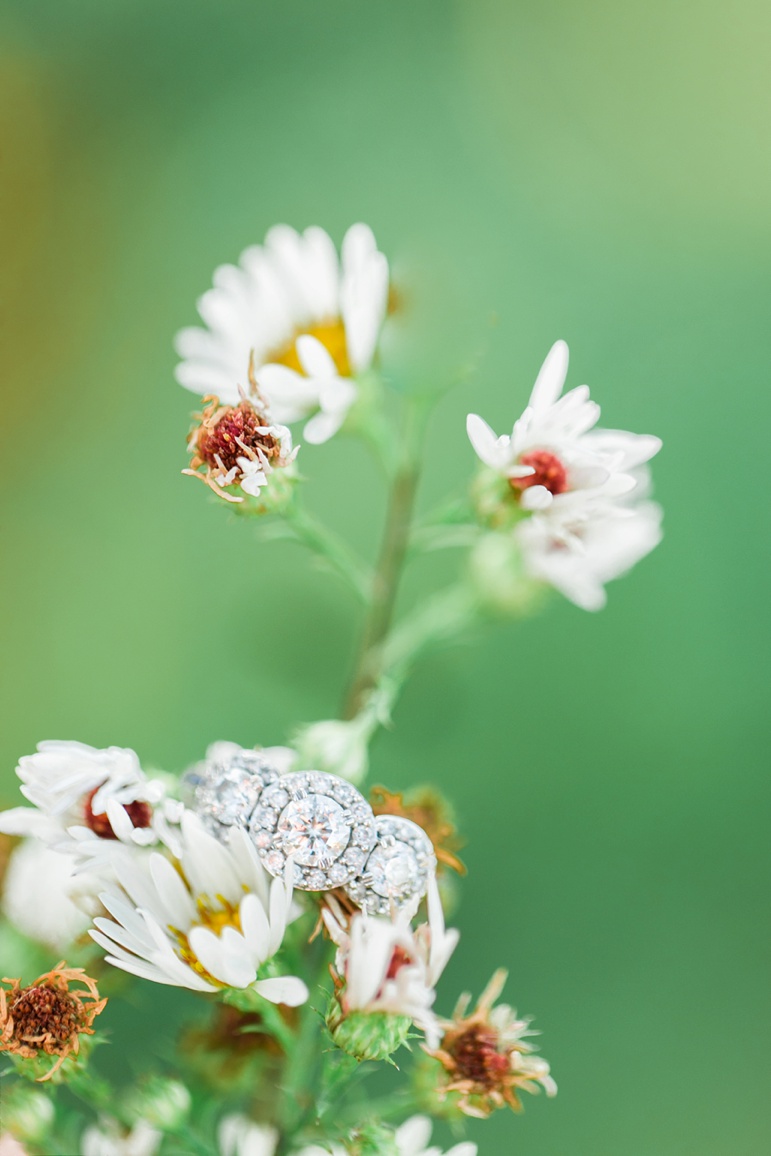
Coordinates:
(397, 869)
(225, 791)
(319, 820)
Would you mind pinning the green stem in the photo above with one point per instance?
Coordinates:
(91, 1089)
(441, 617)
(333, 550)
(393, 550)
(397, 1106)
(303, 1064)
(247, 1000)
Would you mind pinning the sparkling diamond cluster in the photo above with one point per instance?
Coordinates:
(397, 868)
(226, 790)
(320, 822)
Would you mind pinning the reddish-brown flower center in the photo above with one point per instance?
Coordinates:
(230, 433)
(140, 814)
(477, 1057)
(399, 959)
(38, 1012)
(549, 472)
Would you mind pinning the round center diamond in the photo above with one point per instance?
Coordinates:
(315, 826)
(392, 869)
(314, 830)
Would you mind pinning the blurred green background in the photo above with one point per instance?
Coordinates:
(597, 172)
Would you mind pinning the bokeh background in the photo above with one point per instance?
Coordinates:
(598, 172)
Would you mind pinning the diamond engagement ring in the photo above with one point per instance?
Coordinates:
(318, 821)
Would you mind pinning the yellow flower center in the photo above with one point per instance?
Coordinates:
(215, 914)
(330, 333)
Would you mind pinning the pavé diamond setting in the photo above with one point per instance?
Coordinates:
(225, 790)
(319, 821)
(397, 869)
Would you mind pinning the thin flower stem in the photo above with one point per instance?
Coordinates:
(393, 551)
(386, 1108)
(248, 1000)
(333, 550)
(301, 1075)
(91, 1089)
(441, 618)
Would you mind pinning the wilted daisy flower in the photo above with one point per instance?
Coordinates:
(551, 453)
(236, 446)
(486, 1057)
(586, 544)
(40, 895)
(426, 807)
(387, 971)
(309, 320)
(207, 920)
(110, 1139)
(238, 1136)
(47, 1018)
(84, 799)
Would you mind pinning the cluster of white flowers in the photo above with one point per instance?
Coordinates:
(198, 893)
(241, 1137)
(580, 490)
(173, 904)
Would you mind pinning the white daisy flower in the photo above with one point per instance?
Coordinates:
(38, 897)
(387, 966)
(208, 920)
(238, 446)
(239, 1136)
(110, 1139)
(585, 545)
(88, 799)
(309, 320)
(554, 451)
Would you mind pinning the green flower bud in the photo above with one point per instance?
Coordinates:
(499, 577)
(27, 1114)
(161, 1102)
(373, 1140)
(495, 502)
(367, 1035)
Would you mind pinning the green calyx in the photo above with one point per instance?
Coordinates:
(373, 1140)
(367, 1035)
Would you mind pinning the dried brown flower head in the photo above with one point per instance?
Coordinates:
(485, 1057)
(47, 1017)
(227, 437)
(429, 810)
